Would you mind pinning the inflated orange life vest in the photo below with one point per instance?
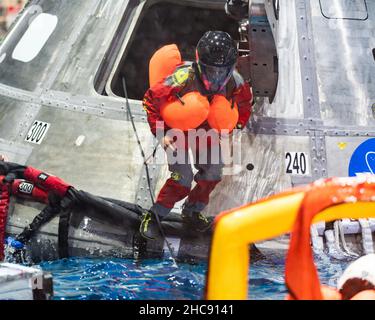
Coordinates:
(186, 113)
(193, 109)
(163, 63)
(222, 116)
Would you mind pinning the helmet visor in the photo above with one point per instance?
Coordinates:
(215, 78)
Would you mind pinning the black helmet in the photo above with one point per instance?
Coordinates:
(216, 58)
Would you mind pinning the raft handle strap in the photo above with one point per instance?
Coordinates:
(63, 235)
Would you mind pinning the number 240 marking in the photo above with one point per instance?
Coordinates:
(296, 163)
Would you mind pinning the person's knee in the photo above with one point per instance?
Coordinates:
(184, 178)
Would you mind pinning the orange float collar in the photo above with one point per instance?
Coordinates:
(301, 276)
(37, 187)
(28, 190)
(46, 182)
(19, 188)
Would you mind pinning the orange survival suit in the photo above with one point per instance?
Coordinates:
(182, 81)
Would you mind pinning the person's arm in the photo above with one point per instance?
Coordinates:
(153, 111)
(3, 158)
(244, 100)
(152, 101)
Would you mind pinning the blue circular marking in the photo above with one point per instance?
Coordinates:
(363, 159)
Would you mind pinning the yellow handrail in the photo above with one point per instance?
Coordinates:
(229, 260)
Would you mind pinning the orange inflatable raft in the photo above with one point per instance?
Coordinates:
(294, 210)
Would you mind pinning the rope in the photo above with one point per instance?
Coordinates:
(145, 162)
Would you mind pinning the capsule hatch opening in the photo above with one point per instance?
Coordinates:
(159, 24)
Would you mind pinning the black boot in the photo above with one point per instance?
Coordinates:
(196, 220)
(149, 228)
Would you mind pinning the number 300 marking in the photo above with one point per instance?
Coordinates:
(37, 132)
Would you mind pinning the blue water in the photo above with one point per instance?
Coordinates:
(121, 279)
